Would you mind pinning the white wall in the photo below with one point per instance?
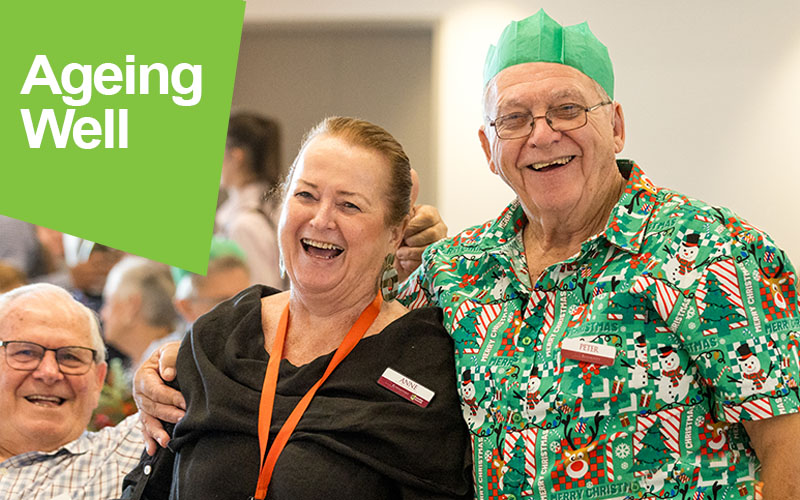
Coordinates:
(709, 89)
(298, 75)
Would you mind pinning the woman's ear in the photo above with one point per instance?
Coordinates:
(398, 232)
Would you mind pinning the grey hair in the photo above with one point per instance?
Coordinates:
(43, 291)
(152, 281)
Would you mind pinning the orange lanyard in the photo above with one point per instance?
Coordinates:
(271, 384)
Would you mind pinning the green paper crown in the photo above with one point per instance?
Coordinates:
(539, 38)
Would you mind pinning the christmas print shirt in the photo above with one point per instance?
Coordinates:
(699, 309)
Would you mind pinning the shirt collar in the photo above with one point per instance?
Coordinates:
(76, 447)
(629, 217)
(625, 226)
(80, 445)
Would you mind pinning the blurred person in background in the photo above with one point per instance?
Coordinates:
(20, 247)
(196, 294)
(88, 265)
(227, 275)
(137, 311)
(137, 307)
(10, 277)
(251, 169)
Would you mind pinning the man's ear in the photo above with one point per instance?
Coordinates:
(414, 187)
(184, 308)
(487, 148)
(102, 369)
(619, 128)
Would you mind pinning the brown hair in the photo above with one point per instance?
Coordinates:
(374, 138)
(260, 138)
(10, 277)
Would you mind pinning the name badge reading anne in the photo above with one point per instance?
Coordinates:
(588, 352)
(406, 388)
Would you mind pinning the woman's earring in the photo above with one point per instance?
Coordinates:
(389, 279)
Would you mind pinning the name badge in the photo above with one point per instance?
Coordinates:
(406, 388)
(588, 352)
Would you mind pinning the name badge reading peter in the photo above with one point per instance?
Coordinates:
(588, 352)
(406, 388)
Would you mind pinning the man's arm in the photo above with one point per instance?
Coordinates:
(154, 398)
(776, 442)
(426, 227)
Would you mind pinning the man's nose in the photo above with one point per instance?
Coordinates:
(48, 369)
(542, 134)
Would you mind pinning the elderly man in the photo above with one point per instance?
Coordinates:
(50, 379)
(613, 339)
(137, 307)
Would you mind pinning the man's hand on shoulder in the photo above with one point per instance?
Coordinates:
(425, 227)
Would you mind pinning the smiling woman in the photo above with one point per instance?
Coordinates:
(297, 381)
(336, 226)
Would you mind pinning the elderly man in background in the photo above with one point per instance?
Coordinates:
(196, 294)
(137, 307)
(614, 339)
(50, 379)
(227, 275)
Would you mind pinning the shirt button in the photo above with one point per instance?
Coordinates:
(147, 470)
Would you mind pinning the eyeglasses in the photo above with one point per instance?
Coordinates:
(561, 119)
(26, 356)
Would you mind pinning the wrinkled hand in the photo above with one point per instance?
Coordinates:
(154, 398)
(425, 227)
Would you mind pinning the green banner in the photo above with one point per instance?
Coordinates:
(114, 116)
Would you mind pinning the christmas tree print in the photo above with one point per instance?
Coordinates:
(719, 311)
(653, 452)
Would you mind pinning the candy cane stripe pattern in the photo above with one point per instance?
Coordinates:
(671, 427)
(610, 454)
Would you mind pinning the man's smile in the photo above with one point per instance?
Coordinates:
(44, 400)
(550, 165)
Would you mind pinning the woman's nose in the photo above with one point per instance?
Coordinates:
(323, 218)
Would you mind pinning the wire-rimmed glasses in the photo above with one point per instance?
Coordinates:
(561, 119)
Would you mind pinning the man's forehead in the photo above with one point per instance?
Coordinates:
(553, 96)
(526, 84)
(28, 314)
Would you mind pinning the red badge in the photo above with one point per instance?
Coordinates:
(406, 388)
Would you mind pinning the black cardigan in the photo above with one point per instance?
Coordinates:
(356, 440)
